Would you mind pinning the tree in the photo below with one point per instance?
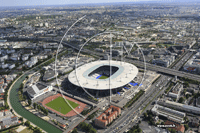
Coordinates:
(46, 111)
(37, 130)
(27, 123)
(21, 119)
(29, 102)
(92, 130)
(145, 115)
(184, 91)
(186, 127)
(34, 105)
(173, 131)
(89, 127)
(38, 107)
(186, 84)
(75, 130)
(25, 97)
(187, 96)
(181, 100)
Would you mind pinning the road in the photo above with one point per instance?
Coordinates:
(164, 70)
(161, 86)
(133, 110)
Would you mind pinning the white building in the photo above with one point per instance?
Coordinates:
(171, 114)
(46, 24)
(32, 62)
(41, 57)
(15, 57)
(3, 66)
(12, 66)
(179, 106)
(25, 57)
(51, 45)
(193, 65)
(176, 90)
(4, 57)
(164, 60)
(38, 89)
(10, 51)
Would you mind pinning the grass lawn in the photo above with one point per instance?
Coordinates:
(103, 77)
(60, 105)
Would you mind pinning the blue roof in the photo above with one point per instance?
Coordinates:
(140, 85)
(133, 84)
(118, 93)
(126, 88)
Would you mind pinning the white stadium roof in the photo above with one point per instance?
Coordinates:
(125, 74)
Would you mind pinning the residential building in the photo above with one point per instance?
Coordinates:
(178, 127)
(11, 66)
(25, 57)
(176, 90)
(3, 57)
(164, 60)
(108, 116)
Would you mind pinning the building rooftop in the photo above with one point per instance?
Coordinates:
(124, 75)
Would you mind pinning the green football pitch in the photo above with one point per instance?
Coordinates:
(103, 77)
(59, 104)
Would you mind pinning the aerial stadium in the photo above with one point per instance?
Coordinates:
(103, 75)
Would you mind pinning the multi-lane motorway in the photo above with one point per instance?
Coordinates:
(156, 90)
(149, 66)
(123, 122)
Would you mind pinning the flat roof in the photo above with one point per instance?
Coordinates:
(124, 75)
(184, 106)
(40, 86)
(50, 73)
(35, 89)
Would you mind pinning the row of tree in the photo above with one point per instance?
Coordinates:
(135, 129)
(87, 127)
(35, 129)
(40, 108)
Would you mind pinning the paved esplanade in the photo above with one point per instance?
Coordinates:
(125, 73)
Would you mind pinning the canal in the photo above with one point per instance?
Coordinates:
(16, 105)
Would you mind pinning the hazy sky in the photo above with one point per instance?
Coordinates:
(60, 2)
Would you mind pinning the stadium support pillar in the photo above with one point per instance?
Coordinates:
(97, 93)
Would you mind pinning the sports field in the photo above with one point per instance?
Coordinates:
(60, 105)
(103, 77)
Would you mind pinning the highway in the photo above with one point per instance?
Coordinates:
(128, 115)
(164, 70)
(149, 98)
(161, 86)
(158, 88)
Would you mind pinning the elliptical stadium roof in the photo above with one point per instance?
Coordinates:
(124, 75)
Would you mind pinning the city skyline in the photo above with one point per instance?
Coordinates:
(14, 3)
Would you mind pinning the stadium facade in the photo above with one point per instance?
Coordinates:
(103, 75)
